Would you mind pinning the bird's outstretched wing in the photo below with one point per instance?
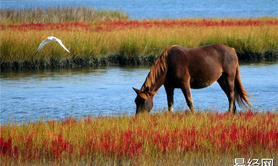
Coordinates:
(60, 42)
(49, 39)
(42, 44)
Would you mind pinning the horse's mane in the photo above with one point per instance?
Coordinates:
(157, 68)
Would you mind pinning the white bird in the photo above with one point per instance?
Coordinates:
(49, 39)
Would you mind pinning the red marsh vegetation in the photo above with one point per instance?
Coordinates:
(179, 138)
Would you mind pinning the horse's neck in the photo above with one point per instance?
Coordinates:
(157, 74)
(154, 82)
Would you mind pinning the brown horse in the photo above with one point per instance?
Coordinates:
(195, 68)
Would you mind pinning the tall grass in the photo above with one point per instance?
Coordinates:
(21, 45)
(204, 138)
(58, 14)
(131, 42)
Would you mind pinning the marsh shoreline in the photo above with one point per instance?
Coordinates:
(115, 60)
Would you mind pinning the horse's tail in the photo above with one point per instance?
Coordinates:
(241, 94)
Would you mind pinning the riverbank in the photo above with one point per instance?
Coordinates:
(93, 45)
(78, 62)
(115, 60)
(116, 40)
(204, 138)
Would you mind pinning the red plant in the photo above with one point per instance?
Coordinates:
(215, 136)
(128, 145)
(7, 149)
(131, 24)
(123, 24)
(46, 26)
(31, 151)
(59, 146)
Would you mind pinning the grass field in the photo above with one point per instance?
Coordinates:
(118, 40)
(182, 138)
(139, 41)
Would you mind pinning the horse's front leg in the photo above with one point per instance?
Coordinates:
(187, 94)
(170, 97)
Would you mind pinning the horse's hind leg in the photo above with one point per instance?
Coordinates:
(170, 94)
(227, 85)
(187, 94)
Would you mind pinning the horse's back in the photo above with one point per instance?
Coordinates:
(214, 50)
(217, 54)
(203, 65)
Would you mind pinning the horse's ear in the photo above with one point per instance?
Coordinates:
(147, 90)
(136, 90)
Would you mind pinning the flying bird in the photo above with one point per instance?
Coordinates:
(49, 39)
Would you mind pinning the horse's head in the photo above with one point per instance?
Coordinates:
(144, 100)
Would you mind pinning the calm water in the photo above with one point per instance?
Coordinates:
(143, 9)
(108, 91)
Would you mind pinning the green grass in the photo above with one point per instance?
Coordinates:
(109, 37)
(21, 45)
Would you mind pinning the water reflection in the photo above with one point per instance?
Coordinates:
(108, 91)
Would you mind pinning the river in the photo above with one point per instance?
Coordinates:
(108, 91)
(161, 9)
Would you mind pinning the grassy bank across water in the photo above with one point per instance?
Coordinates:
(121, 41)
(58, 15)
(91, 45)
(181, 138)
